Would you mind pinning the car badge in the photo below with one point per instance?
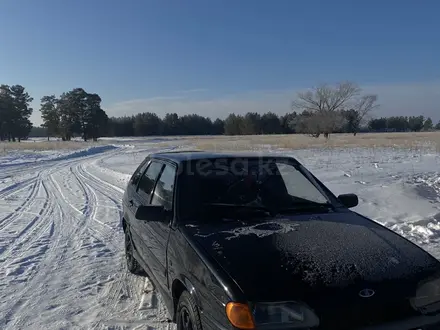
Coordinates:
(366, 293)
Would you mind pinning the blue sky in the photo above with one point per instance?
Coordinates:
(216, 57)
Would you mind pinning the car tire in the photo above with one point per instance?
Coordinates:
(187, 313)
(132, 264)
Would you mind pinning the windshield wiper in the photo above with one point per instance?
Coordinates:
(242, 206)
(306, 206)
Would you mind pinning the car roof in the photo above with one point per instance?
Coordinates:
(188, 155)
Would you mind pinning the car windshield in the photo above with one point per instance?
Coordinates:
(248, 185)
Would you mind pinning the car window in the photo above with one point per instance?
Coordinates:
(164, 191)
(147, 181)
(298, 185)
(138, 173)
(269, 183)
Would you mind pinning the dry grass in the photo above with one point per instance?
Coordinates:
(420, 140)
(298, 141)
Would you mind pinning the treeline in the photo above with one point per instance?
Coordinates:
(150, 124)
(403, 124)
(15, 111)
(323, 110)
(74, 113)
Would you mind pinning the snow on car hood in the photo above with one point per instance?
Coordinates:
(296, 256)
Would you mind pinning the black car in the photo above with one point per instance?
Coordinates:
(252, 241)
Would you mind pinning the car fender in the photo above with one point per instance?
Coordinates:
(211, 318)
(190, 288)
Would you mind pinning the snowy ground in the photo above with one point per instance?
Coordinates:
(61, 246)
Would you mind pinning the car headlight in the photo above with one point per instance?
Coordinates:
(278, 315)
(427, 298)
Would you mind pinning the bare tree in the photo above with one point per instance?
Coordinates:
(326, 98)
(317, 123)
(327, 104)
(360, 111)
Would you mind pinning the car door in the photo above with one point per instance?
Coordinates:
(142, 196)
(163, 194)
(129, 196)
(132, 187)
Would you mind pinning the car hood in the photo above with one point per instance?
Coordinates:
(311, 257)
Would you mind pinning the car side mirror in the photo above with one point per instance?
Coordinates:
(349, 200)
(155, 213)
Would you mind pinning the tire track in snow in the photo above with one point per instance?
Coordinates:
(108, 190)
(63, 197)
(120, 287)
(86, 209)
(76, 283)
(122, 283)
(15, 187)
(49, 267)
(22, 251)
(123, 288)
(25, 233)
(104, 233)
(7, 193)
(101, 183)
(17, 241)
(29, 199)
(52, 263)
(28, 253)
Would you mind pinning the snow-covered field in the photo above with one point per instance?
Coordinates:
(62, 248)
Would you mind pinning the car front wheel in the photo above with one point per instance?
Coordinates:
(188, 317)
(132, 264)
